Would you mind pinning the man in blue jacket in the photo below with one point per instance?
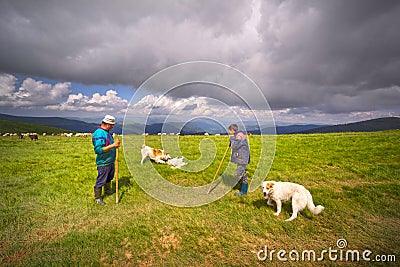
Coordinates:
(105, 150)
(240, 156)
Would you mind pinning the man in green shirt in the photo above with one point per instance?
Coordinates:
(105, 150)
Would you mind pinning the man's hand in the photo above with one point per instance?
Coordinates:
(117, 143)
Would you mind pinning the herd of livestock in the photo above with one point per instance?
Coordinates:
(35, 136)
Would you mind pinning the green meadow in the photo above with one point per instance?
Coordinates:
(49, 218)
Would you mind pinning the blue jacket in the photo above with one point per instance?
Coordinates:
(100, 139)
(240, 149)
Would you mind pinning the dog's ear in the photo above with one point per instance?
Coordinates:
(269, 185)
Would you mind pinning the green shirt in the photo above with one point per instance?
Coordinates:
(100, 139)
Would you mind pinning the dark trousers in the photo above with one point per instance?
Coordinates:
(105, 175)
(241, 174)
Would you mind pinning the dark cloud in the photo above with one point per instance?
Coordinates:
(110, 42)
(317, 51)
(331, 56)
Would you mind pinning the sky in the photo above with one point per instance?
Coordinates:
(314, 61)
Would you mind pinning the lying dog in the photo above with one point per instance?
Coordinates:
(284, 191)
(176, 163)
(158, 155)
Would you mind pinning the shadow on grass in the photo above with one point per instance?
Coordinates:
(227, 180)
(230, 180)
(123, 183)
(286, 207)
(260, 203)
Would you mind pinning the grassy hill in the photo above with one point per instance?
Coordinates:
(374, 125)
(68, 124)
(23, 127)
(48, 216)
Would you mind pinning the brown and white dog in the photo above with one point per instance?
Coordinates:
(284, 191)
(158, 155)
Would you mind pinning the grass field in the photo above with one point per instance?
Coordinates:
(48, 216)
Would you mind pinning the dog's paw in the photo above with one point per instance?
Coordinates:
(276, 213)
(291, 218)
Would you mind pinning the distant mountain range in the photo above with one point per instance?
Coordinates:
(198, 126)
(7, 126)
(381, 124)
(296, 128)
(63, 123)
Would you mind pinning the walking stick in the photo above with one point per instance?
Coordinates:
(116, 176)
(219, 167)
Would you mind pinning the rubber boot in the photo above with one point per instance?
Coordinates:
(243, 190)
(97, 197)
(107, 189)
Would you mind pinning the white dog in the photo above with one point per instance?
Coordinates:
(284, 191)
(158, 155)
(176, 163)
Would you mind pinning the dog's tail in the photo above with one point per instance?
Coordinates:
(310, 205)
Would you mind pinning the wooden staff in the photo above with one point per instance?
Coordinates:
(219, 167)
(116, 176)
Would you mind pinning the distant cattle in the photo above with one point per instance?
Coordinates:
(20, 136)
(33, 137)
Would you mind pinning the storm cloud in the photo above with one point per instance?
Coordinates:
(325, 56)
